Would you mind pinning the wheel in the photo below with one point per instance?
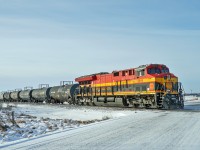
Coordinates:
(136, 105)
(124, 101)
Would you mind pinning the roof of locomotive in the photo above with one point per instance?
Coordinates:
(93, 76)
(89, 77)
(140, 67)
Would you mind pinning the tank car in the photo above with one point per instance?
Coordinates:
(15, 95)
(1, 96)
(63, 93)
(42, 94)
(25, 95)
(6, 96)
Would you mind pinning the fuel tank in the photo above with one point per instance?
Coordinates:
(41, 95)
(109, 101)
(15, 95)
(25, 95)
(63, 93)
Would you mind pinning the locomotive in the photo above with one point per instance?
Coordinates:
(147, 86)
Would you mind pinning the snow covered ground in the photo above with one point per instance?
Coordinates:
(70, 112)
(191, 98)
(35, 120)
(192, 103)
(159, 130)
(78, 127)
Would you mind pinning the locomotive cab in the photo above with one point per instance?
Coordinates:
(169, 92)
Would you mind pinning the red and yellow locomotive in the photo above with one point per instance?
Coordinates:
(150, 86)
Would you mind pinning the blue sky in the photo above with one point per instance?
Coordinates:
(46, 41)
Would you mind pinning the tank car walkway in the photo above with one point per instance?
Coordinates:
(148, 130)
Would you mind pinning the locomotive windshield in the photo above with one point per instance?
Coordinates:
(154, 71)
(165, 70)
(157, 70)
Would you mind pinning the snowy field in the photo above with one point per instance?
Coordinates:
(35, 120)
(82, 127)
(192, 103)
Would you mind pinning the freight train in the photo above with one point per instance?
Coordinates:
(147, 86)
